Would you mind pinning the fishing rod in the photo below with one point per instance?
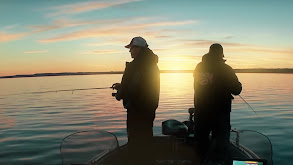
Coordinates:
(66, 90)
(63, 90)
(82, 89)
(247, 103)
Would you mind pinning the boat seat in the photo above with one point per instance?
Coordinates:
(174, 128)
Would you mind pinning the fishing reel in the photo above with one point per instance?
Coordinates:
(115, 86)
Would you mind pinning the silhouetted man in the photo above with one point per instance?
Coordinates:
(214, 82)
(140, 89)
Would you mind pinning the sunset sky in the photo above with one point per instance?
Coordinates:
(45, 36)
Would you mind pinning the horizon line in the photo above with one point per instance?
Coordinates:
(248, 70)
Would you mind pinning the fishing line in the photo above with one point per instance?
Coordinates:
(247, 103)
(55, 91)
(66, 90)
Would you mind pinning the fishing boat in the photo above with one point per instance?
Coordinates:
(174, 146)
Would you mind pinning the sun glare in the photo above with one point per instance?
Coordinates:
(177, 63)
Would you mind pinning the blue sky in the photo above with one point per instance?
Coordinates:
(89, 36)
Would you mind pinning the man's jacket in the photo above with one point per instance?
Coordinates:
(140, 85)
(214, 82)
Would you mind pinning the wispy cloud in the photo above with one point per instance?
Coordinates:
(102, 52)
(236, 47)
(36, 51)
(82, 34)
(112, 43)
(161, 24)
(67, 23)
(57, 24)
(86, 6)
(5, 37)
(264, 50)
(115, 30)
(208, 43)
(9, 27)
(228, 37)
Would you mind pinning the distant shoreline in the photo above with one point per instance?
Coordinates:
(281, 70)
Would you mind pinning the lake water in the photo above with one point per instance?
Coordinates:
(32, 126)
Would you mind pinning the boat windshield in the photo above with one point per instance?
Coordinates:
(253, 143)
(86, 146)
(89, 146)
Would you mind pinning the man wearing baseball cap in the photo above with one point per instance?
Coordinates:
(139, 89)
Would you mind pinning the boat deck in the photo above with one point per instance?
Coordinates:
(167, 150)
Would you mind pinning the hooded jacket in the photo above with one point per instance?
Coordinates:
(140, 84)
(214, 82)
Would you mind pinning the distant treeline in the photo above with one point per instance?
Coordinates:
(281, 70)
(62, 74)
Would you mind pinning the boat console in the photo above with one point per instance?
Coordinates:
(174, 128)
(179, 129)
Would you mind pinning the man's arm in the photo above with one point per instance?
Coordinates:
(236, 86)
(121, 88)
(195, 77)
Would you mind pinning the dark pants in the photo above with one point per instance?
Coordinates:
(219, 126)
(140, 136)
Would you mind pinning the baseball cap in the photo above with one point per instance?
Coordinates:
(137, 41)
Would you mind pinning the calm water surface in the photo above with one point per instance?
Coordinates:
(33, 126)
